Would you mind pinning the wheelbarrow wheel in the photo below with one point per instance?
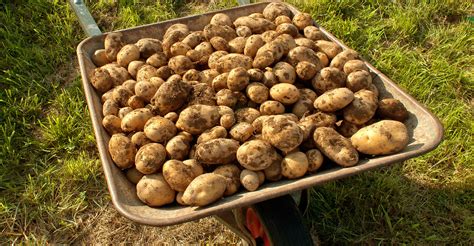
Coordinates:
(277, 222)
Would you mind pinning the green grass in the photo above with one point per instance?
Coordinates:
(51, 181)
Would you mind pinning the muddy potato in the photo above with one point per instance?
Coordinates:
(145, 89)
(111, 124)
(121, 95)
(179, 48)
(327, 79)
(180, 64)
(257, 92)
(256, 24)
(269, 36)
(282, 133)
(285, 93)
(265, 57)
(306, 70)
(178, 146)
(382, 138)
(313, 121)
(196, 119)
(282, 19)
(150, 158)
(329, 48)
(232, 174)
(113, 44)
(110, 107)
(333, 100)
(275, 9)
(101, 80)
(217, 151)
(313, 33)
(256, 155)
(117, 73)
(214, 57)
(208, 75)
(191, 75)
(171, 96)
(133, 175)
(287, 28)
(272, 107)
(347, 129)
(362, 108)
(145, 72)
(306, 42)
(178, 175)
(249, 179)
(172, 116)
(123, 111)
(241, 131)
(122, 150)
(302, 53)
(359, 80)
(205, 189)
(273, 172)
(246, 115)
(164, 72)
(303, 106)
(294, 165)
(154, 191)
(284, 72)
(107, 96)
(315, 159)
(202, 94)
(159, 129)
(130, 85)
(100, 58)
(243, 31)
(221, 19)
(194, 55)
(391, 108)
(219, 43)
(212, 30)
(354, 65)
(336, 147)
(213, 133)
(252, 44)
(323, 58)
(258, 123)
(340, 59)
(308, 93)
(127, 54)
(195, 166)
(231, 61)
(302, 20)
(193, 39)
(227, 120)
(255, 74)
(139, 139)
(269, 79)
(135, 120)
(237, 45)
(135, 102)
(226, 97)
(238, 79)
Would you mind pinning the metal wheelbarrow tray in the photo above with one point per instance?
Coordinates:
(425, 129)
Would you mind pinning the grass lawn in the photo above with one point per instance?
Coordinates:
(52, 188)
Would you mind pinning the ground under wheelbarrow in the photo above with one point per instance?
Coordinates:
(271, 215)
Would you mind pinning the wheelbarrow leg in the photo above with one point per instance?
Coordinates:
(235, 221)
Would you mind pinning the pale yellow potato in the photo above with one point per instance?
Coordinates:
(302, 20)
(294, 165)
(275, 9)
(333, 100)
(285, 93)
(354, 65)
(180, 64)
(221, 19)
(145, 72)
(336, 147)
(219, 43)
(154, 191)
(237, 45)
(220, 82)
(257, 92)
(329, 48)
(282, 133)
(227, 120)
(178, 175)
(382, 138)
(208, 75)
(315, 159)
(217, 151)
(159, 129)
(323, 59)
(130, 85)
(101, 80)
(150, 158)
(127, 54)
(100, 57)
(122, 150)
(112, 123)
(113, 44)
(123, 111)
(282, 19)
(133, 175)
(232, 174)
(196, 119)
(205, 189)
(313, 33)
(256, 24)
(179, 48)
(340, 59)
(301, 53)
(269, 36)
(249, 180)
(284, 72)
(226, 97)
(135, 120)
(195, 166)
(252, 44)
(246, 115)
(238, 79)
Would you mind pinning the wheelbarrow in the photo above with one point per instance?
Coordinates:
(271, 215)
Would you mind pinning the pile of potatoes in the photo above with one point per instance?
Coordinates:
(198, 114)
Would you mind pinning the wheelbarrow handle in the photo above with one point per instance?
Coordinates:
(88, 23)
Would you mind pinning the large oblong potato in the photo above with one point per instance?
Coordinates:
(382, 138)
(178, 175)
(336, 147)
(256, 155)
(217, 151)
(285, 93)
(171, 96)
(154, 191)
(205, 189)
(197, 118)
(150, 158)
(122, 150)
(333, 100)
(231, 61)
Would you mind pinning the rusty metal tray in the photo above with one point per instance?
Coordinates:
(425, 129)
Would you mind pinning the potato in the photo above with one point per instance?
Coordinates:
(179, 48)
(193, 39)
(313, 33)
(178, 175)
(121, 95)
(323, 58)
(226, 97)
(113, 44)
(284, 72)
(148, 46)
(213, 133)
(306, 42)
(217, 151)
(196, 119)
(257, 92)
(273, 172)
(258, 123)
(212, 30)
(306, 70)
(154, 191)
(238, 79)
(195, 166)
(282, 133)
(308, 93)
(205, 189)
(354, 65)
(265, 57)
(100, 58)
(231, 61)
(362, 108)
(255, 74)
(172, 116)
(145, 89)
(261, 177)
(202, 94)
(282, 19)
(237, 45)
(243, 31)
(111, 124)
(287, 28)
(101, 80)
(180, 64)
(249, 180)
(269, 36)
(208, 75)
(340, 59)
(336, 147)
(219, 43)
(171, 96)
(135, 102)
(205, 48)
(179, 198)
(303, 106)
(257, 25)
(164, 72)
(139, 139)
(145, 72)
(227, 121)
(123, 111)
(117, 73)
(327, 79)
(135, 120)
(315, 159)
(275, 9)
(347, 129)
(329, 48)
(129, 85)
(150, 158)
(271, 107)
(221, 19)
(382, 138)
(333, 100)
(241, 131)
(302, 20)
(285, 93)
(133, 175)
(246, 115)
(393, 109)
(214, 57)
(256, 155)
(232, 174)
(178, 146)
(319, 119)
(302, 53)
(294, 165)
(252, 44)
(122, 150)
(127, 54)
(159, 129)
(110, 107)
(358, 80)
(269, 79)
